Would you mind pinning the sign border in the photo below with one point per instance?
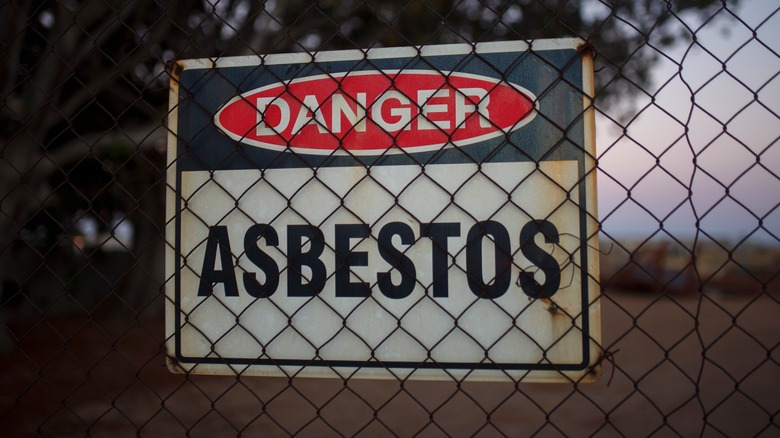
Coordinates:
(177, 362)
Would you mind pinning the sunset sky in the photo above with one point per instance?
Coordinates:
(734, 130)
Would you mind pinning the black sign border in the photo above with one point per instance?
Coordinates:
(356, 364)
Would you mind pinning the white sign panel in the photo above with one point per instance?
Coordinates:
(388, 213)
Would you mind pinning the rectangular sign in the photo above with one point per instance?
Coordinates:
(423, 213)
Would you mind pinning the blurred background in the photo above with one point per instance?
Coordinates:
(688, 104)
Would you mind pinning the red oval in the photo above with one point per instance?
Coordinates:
(374, 112)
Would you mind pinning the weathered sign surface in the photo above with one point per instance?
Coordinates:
(404, 213)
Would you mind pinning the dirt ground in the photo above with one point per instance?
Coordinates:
(669, 377)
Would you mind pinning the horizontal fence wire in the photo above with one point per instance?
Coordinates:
(441, 264)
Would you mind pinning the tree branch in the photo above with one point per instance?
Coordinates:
(145, 137)
(90, 90)
(62, 42)
(13, 35)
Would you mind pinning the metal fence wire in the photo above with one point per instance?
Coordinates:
(681, 255)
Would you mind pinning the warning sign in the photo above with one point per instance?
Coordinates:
(403, 213)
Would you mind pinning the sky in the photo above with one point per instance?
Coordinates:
(733, 120)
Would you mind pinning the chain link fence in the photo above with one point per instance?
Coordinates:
(686, 110)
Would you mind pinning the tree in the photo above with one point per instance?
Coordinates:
(83, 86)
